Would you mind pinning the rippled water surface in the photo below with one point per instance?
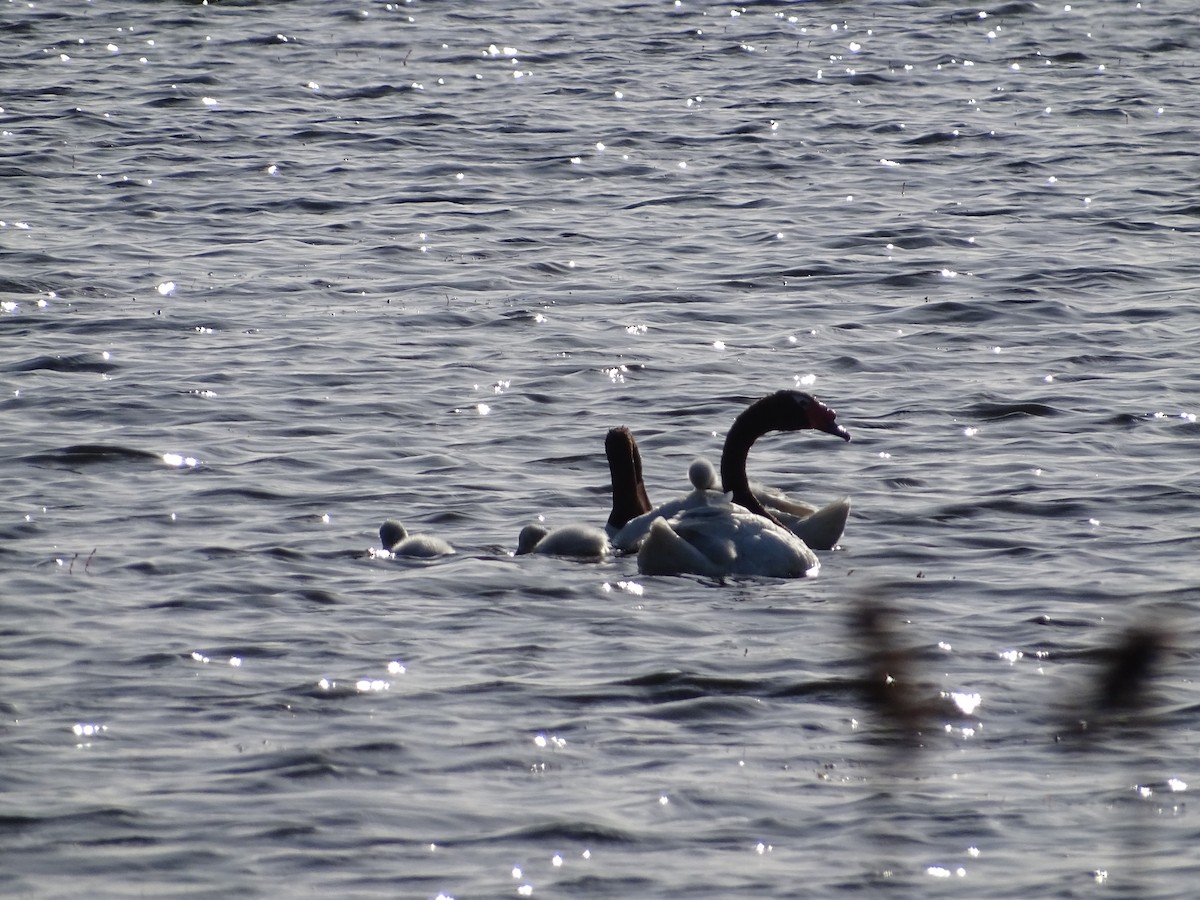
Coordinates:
(274, 272)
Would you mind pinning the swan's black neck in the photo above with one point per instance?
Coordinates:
(781, 411)
(625, 470)
(747, 428)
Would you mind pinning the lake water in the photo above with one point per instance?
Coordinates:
(276, 272)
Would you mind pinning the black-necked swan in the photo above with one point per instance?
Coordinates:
(820, 528)
(396, 540)
(743, 537)
(577, 541)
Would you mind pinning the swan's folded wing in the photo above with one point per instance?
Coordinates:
(712, 531)
(778, 501)
(629, 538)
(665, 552)
(824, 528)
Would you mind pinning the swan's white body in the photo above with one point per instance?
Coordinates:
(723, 539)
(820, 529)
(396, 541)
(577, 541)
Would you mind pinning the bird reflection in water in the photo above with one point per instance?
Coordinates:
(1120, 691)
(903, 704)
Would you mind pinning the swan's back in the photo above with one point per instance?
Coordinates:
(724, 540)
(422, 546)
(395, 539)
(703, 477)
(578, 541)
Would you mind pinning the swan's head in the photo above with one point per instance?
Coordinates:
(702, 475)
(620, 443)
(391, 533)
(530, 536)
(797, 410)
